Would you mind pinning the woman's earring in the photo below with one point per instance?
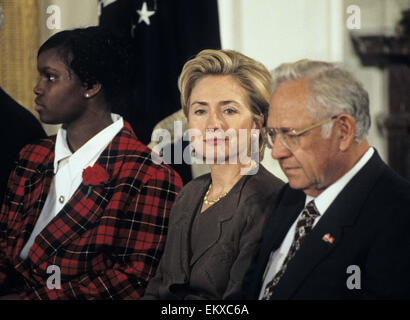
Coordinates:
(87, 95)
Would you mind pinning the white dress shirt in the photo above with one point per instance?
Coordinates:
(68, 169)
(322, 202)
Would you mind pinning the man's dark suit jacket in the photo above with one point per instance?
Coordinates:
(18, 127)
(370, 223)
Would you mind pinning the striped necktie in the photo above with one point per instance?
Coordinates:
(303, 227)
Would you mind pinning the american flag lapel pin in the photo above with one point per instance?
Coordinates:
(328, 238)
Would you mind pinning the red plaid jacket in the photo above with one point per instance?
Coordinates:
(107, 245)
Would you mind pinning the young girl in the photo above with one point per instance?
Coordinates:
(87, 206)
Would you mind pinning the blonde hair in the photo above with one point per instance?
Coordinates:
(250, 74)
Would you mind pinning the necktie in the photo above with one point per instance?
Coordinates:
(303, 227)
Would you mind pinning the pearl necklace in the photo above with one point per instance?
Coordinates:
(206, 201)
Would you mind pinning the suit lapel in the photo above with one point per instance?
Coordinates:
(342, 212)
(223, 215)
(312, 251)
(214, 235)
(81, 212)
(188, 206)
(281, 219)
(76, 217)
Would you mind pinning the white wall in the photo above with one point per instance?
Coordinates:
(277, 31)
(74, 14)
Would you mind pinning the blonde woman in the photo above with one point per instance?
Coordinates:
(216, 221)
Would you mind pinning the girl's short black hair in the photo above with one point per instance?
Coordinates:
(96, 55)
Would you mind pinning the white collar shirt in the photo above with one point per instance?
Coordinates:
(68, 168)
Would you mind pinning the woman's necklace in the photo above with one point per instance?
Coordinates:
(206, 201)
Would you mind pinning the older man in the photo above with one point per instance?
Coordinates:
(342, 227)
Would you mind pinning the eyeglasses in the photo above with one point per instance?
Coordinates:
(289, 137)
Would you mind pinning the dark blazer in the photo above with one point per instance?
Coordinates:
(107, 243)
(18, 127)
(369, 221)
(218, 270)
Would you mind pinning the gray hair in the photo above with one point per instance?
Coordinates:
(334, 91)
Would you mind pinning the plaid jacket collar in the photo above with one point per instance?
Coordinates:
(88, 150)
(78, 213)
